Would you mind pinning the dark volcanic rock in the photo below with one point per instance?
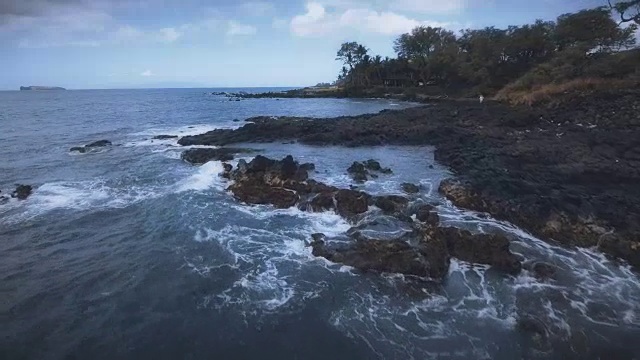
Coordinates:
(372, 165)
(22, 192)
(99, 143)
(91, 146)
(165, 137)
(541, 270)
(427, 214)
(390, 256)
(262, 195)
(308, 166)
(358, 172)
(201, 156)
(410, 188)
(351, 202)
(487, 249)
(391, 204)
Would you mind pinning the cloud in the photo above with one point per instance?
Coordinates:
(147, 73)
(234, 28)
(318, 21)
(169, 34)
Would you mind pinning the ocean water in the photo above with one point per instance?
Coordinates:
(130, 253)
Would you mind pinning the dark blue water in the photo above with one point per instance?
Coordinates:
(131, 253)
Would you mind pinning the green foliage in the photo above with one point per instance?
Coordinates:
(486, 60)
(629, 11)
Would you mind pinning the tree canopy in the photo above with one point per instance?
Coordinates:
(488, 58)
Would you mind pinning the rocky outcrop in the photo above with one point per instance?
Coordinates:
(165, 137)
(22, 192)
(92, 146)
(489, 249)
(427, 260)
(362, 171)
(410, 188)
(201, 156)
(424, 252)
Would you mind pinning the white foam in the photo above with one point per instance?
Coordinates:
(206, 177)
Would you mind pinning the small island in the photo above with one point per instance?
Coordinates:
(23, 88)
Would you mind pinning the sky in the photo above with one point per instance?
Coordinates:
(90, 44)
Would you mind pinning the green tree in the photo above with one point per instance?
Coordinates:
(425, 48)
(593, 30)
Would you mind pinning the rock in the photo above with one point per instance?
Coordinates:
(386, 171)
(95, 144)
(260, 194)
(317, 237)
(427, 214)
(236, 120)
(490, 249)
(308, 166)
(391, 204)
(372, 165)
(201, 156)
(22, 192)
(165, 137)
(358, 172)
(99, 143)
(350, 203)
(541, 270)
(532, 325)
(410, 188)
(387, 256)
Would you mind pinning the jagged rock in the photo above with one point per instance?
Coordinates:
(308, 166)
(391, 204)
(95, 144)
(540, 270)
(373, 165)
(389, 256)
(201, 156)
(351, 202)
(260, 194)
(22, 192)
(490, 249)
(410, 188)
(165, 137)
(358, 172)
(427, 214)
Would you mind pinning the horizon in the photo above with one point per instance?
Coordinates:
(123, 44)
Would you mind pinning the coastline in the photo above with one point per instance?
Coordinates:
(566, 174)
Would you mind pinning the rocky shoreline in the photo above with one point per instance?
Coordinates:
(569, 174)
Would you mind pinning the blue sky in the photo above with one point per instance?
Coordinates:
(222, 43)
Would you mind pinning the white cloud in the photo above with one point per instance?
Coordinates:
(318, 21)
(235, 28)
(169, 34)
(314, 22)
(146, 73)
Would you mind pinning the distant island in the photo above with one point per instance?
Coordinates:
(22, 88)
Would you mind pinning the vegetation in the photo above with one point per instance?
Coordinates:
(589, 44)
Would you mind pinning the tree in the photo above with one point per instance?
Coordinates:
(593, 30)
(422, 46)
(352, 54)
(628, 10)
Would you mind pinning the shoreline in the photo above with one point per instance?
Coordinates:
(566, 174)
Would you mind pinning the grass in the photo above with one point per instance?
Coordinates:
(553, 92)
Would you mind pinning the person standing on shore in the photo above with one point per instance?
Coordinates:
(481, 98)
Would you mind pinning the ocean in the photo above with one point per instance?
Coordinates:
(128, 252)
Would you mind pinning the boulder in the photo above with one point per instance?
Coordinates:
(372, 165)
(358, 172)
(350, 202)
(201, 156)
(391, 204)
(308, 166)
(427, 214)
(165, 137)
(410, 188)
(489, 249)
(540, 270)
(261, 194)
(387, 256)
(22, 192)
(91, 146)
